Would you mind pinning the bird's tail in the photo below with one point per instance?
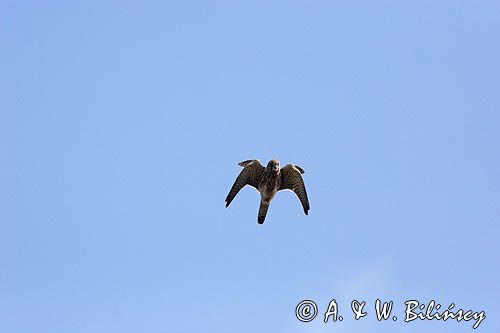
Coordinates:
(262, 211)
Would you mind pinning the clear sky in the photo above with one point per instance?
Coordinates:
(122, 123)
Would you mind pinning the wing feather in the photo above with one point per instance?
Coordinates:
(250, 175)
(291, 179)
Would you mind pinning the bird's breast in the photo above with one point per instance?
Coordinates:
(268, 188)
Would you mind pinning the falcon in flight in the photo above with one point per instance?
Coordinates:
(269, 180)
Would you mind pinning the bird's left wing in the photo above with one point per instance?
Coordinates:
(291, 179)
(250, 175)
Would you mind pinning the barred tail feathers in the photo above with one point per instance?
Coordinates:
(262, 211)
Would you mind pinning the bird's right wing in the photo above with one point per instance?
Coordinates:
(250, 175)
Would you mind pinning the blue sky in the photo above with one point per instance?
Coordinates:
(122, 123)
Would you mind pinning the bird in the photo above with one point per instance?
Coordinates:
(268, 181)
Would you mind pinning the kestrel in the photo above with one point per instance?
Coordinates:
(269, 180)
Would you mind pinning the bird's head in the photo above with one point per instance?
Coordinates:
(273, 166)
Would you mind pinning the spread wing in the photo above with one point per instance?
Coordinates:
(250, 175)
(291, 179)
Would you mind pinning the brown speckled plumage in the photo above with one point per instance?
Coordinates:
(269, 180)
